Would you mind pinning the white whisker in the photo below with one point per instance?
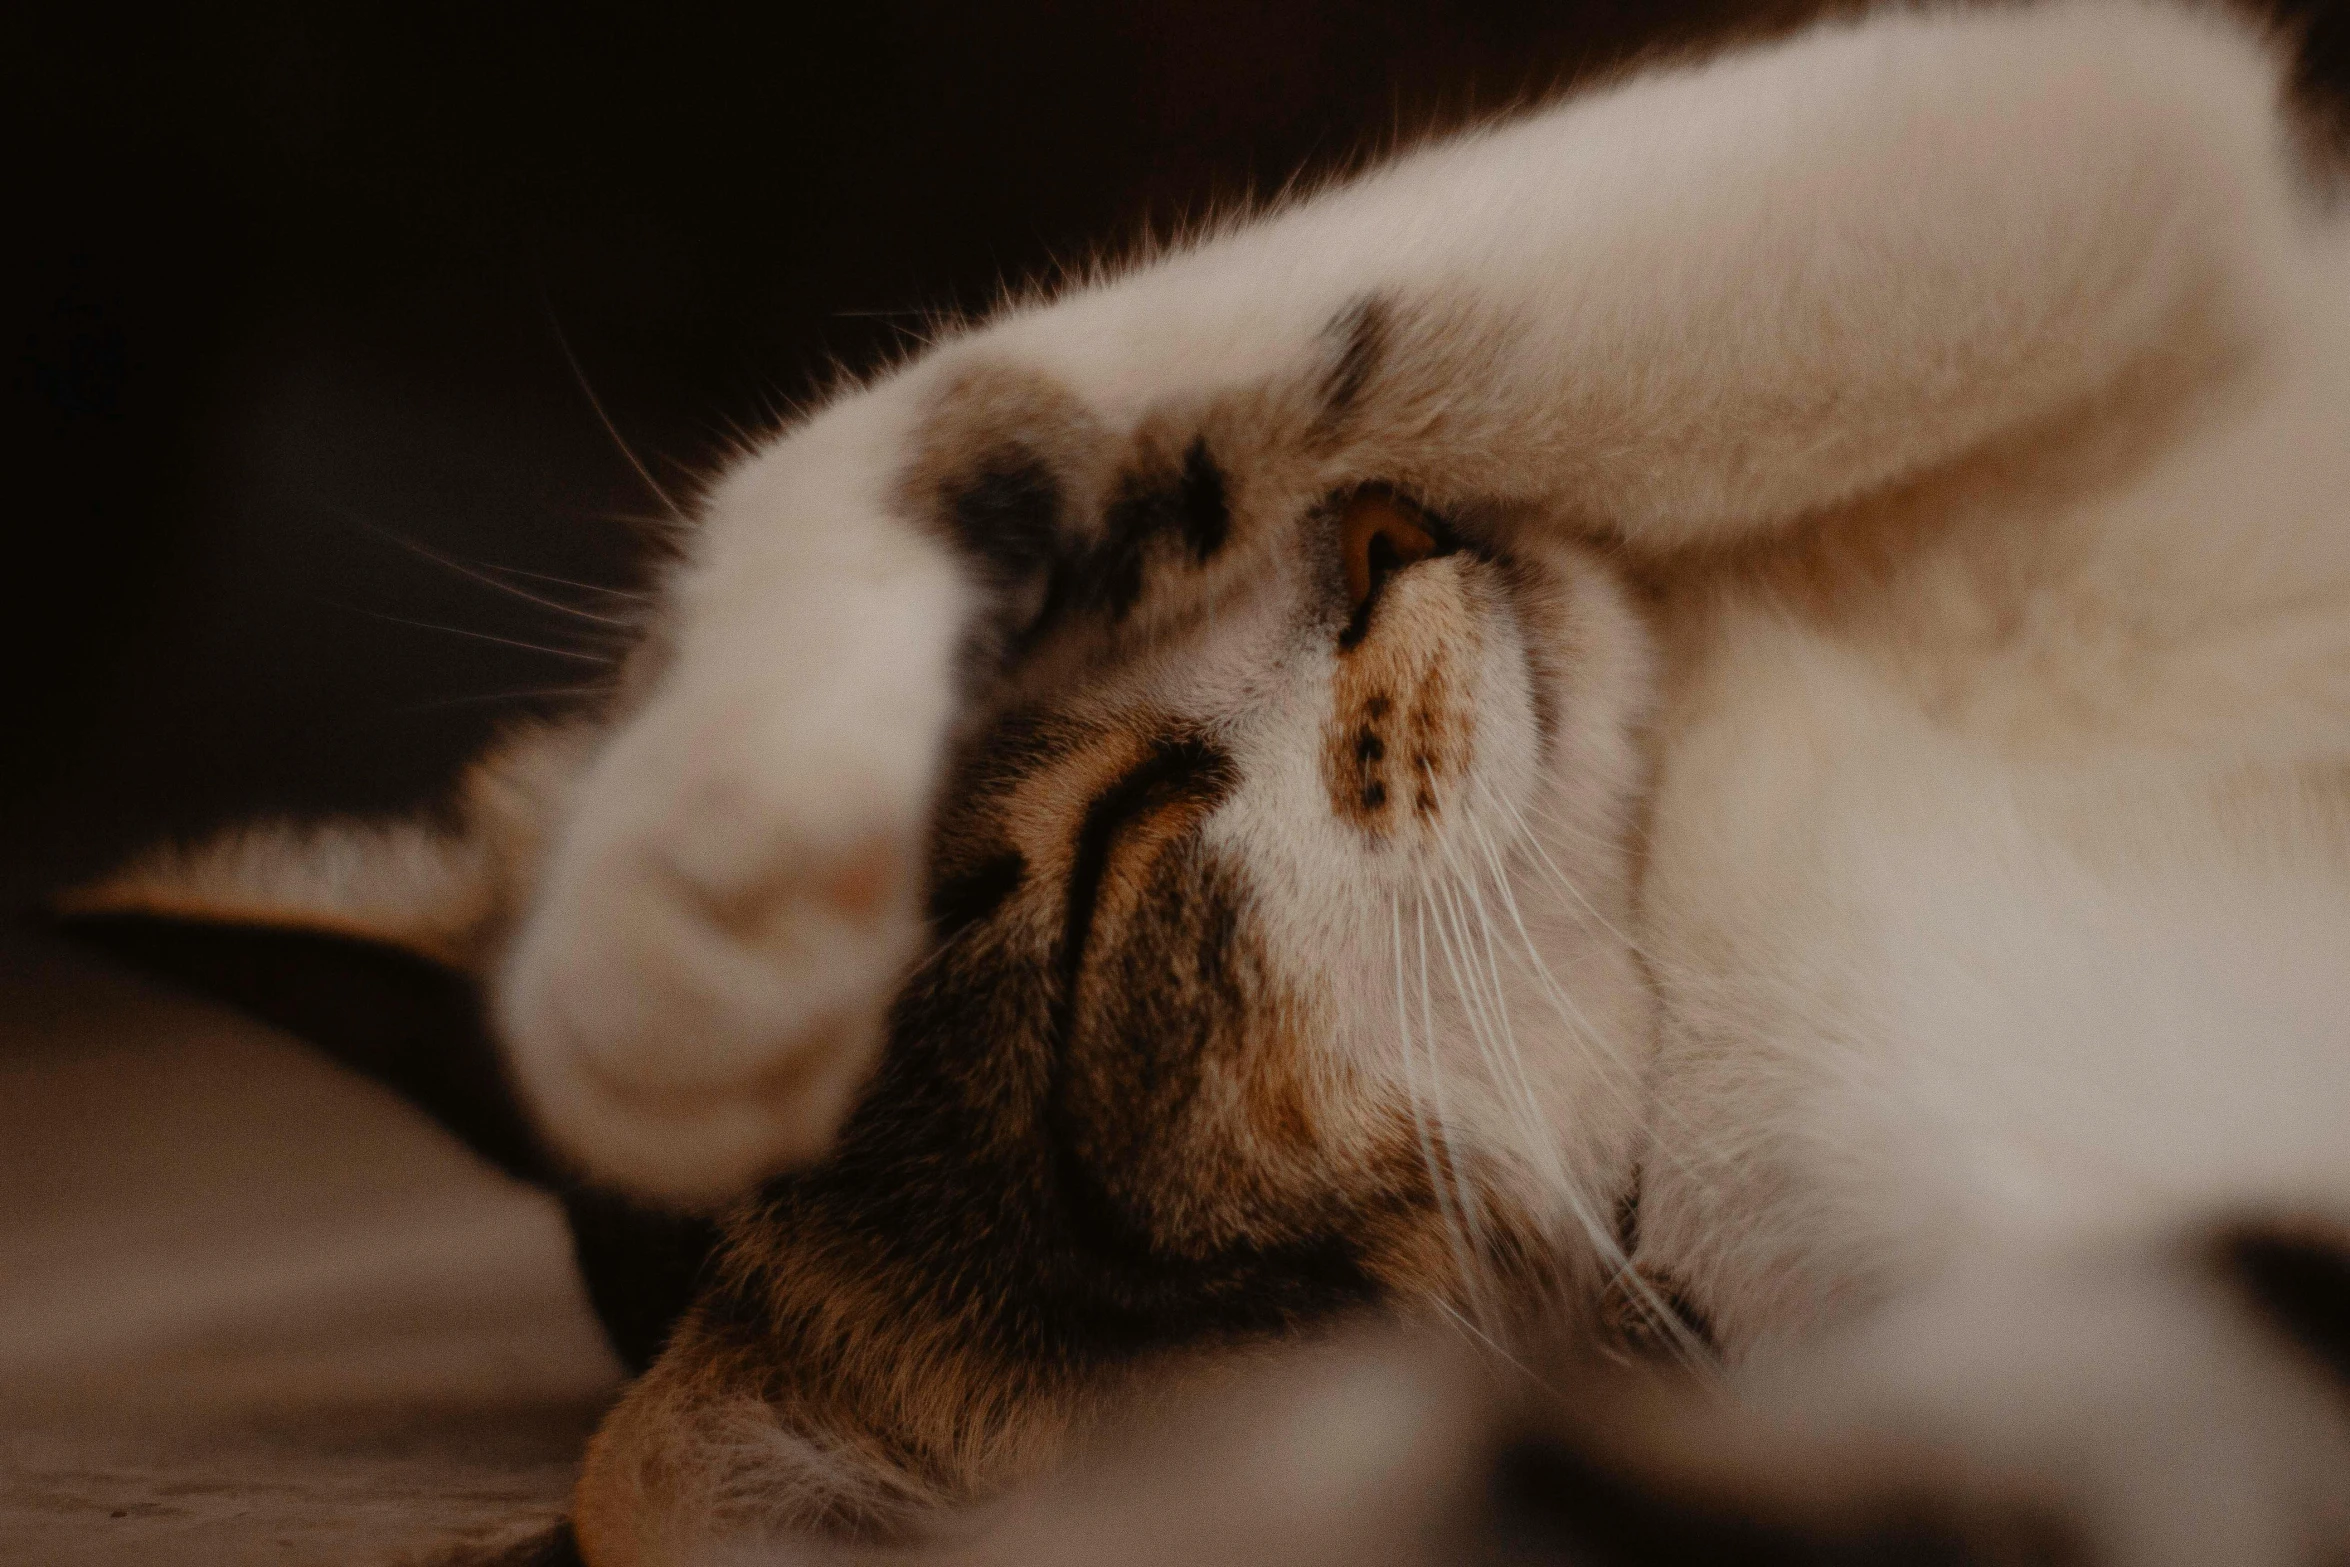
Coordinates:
(570, 582)
(675, 511)
(1472, 1234)
(1455, 1238)
(1570, 1013)
(537, 694)
(1487, 1339)
(1685, 1344)
(1538, 1136)
(471, 573)
(603, 660)
(1533, 840)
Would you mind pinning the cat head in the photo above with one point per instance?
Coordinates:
(1065, 881)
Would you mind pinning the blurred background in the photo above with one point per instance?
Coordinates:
(308, 295)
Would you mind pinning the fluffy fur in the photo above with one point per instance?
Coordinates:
(1850, 802)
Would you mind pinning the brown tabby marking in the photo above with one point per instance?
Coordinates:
(1400, 734)
(1361, 331)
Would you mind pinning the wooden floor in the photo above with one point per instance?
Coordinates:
(253, 1310)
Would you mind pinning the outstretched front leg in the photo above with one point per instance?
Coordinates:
(1691, 307)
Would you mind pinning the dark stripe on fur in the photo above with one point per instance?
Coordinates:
(1188, 505)
(1201, 506)
(1009, 518)
(1361, 331)
(995, 1219)
(2298, 1275)
(1006, 521)
(966, 898)
(1007, 515)
(1177, 771)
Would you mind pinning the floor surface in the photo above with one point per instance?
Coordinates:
(253, 1309)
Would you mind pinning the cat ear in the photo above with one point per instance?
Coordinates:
(372, 942)
(422, 889)
(365, 940)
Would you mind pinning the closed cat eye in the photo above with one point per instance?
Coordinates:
(1379, 534)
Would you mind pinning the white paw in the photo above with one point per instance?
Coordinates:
(698, 990)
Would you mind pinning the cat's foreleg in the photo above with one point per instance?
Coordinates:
(1714, 299)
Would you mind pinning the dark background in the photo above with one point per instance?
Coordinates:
(308, 295)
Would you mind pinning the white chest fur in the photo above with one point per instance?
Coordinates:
(2006, 888)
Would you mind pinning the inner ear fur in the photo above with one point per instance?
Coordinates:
(422, 889)
(371, 940)
(442, 887)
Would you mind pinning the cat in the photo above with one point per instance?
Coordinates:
(1717, 714)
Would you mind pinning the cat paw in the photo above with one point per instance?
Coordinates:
(700, 991)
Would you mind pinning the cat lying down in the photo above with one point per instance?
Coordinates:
(1710, 727)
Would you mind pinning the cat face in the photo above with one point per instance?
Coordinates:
(1243, 772)
(1131, 869)
(1269, 880)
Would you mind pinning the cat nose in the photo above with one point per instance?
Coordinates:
(1379, 534)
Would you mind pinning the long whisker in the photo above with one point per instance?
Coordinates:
(1538, 1138)
(1455, 1237)
(1537, 1125)
(1628, 1084)
(1472, 1277)
(1487, 1339)
(570, 582)
(599, 659)
(579, 374)
(1563, 1002)
(1686, 1345)
(1631, 1082)
(1632, 831)
(540, 693)
(1533, 840)
(1472, 1218)
(462, 569)
(1507, 1055)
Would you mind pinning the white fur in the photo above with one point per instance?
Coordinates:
(681, 1049)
